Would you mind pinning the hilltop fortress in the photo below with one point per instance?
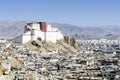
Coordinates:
(41, 30)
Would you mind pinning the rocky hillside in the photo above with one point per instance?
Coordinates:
(66, 45)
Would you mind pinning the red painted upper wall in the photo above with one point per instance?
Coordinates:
(43, 26)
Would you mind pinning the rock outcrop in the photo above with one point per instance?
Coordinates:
(66, 45)
(71, 41)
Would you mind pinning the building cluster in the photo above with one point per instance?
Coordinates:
(99, 41)
(41, 30)
(92, 62)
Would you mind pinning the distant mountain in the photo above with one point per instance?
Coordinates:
(101, 30)
(68, 29)
(89, 32)
(9, 29)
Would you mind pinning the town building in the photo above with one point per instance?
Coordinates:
(3, 40)
(41, 30)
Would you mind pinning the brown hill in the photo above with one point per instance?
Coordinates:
(64, 46)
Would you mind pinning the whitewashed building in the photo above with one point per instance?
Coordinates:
(3, 40)
(39, 29)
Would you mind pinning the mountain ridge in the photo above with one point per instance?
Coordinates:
(10, 29)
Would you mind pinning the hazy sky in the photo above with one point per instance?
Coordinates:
(77, 12)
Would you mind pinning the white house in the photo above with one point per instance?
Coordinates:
(3, 40)
(39, 29)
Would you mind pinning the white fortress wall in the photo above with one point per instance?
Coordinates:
(26, 38)
(33, 31)
(49, 36)
(35, 26)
